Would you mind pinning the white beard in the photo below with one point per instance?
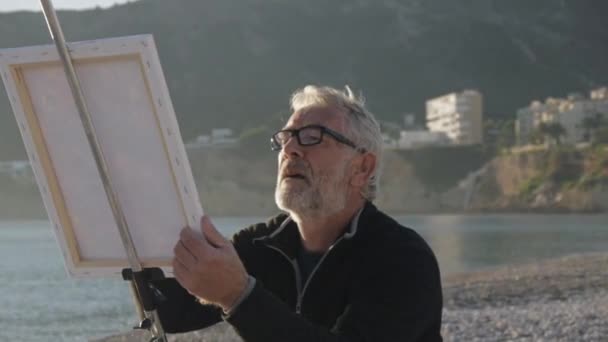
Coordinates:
(321, 197)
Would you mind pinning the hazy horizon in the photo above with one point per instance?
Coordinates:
(34, 5)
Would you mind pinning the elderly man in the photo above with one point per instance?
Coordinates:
(332, 267)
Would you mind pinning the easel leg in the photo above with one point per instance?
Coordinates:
(138, 307)
(146, 301)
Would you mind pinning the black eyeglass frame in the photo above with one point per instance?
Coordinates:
(276, 146)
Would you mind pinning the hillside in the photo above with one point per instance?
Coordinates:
(555, 180)
(233, 184)
(234, 63)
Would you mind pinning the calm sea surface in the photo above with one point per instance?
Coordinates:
(38, 302)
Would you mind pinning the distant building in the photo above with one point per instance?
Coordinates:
(223, 136)
(421, 138)
(17, 170)
(569, 112)
(201, 141)
(528, 120)
(388, 142)
(571, 116)
(458, 116)
(220, 137)
(599, 94)
(409, 121)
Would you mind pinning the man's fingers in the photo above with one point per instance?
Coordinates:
(181, 273)
(194, 243)
(214, 237)
(184, 255)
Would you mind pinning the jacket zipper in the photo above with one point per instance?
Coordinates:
(301, 296)
(301, 291)
(298, 275)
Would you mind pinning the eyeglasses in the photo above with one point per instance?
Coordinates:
(308, 136)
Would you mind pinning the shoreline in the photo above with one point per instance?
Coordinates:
(44, 217)
(560, 299)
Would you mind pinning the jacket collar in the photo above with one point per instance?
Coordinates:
(287, 236)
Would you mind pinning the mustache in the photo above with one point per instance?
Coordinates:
(292, 167)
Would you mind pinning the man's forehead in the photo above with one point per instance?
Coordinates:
(325, 116)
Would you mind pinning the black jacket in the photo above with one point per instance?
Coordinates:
(379, 282)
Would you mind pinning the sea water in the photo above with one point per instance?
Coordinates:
(39, 302)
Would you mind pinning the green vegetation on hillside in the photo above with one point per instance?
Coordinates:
(234, 63)
(567, 168)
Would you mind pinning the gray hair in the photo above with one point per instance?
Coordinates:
(363, 128)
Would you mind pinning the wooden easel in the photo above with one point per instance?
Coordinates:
(139, 277)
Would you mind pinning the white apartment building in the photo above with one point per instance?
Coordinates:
(569, 112)
(458, 115)
(599, 94)
(223, 136)
(421, 138)
(17, 169)
(570, 116)
(529, 118)
(220, 137)
(389, 143)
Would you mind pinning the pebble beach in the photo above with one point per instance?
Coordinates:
(563, 299)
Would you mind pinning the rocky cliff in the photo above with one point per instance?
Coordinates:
(551, 180)
(541, 180)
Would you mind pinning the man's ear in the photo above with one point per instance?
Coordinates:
(364, 168)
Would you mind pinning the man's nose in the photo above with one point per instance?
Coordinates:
(292, 148)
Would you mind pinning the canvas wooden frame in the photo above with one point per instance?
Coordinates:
(18, 71)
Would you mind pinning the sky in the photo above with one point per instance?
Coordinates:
(34, 5)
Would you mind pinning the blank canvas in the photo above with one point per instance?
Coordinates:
(135, 124)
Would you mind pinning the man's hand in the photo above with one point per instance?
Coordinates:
(208, 266)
